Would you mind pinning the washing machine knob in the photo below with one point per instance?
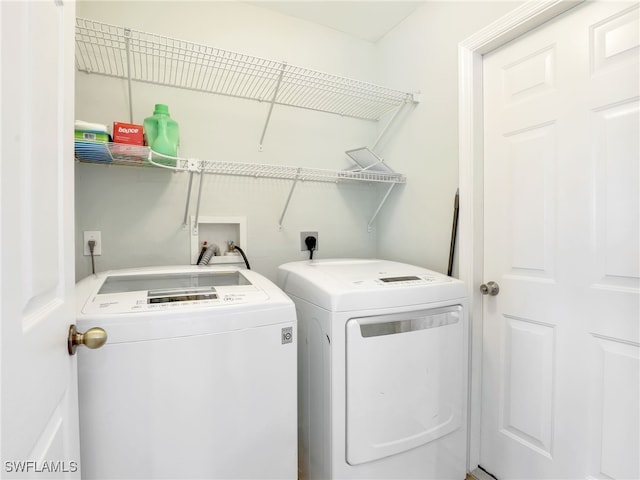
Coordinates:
(93, 338)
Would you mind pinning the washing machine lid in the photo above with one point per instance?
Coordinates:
(155, 303)
(149, 290)
(354, 284)
(180, 283)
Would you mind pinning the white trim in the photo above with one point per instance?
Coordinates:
(470, 126)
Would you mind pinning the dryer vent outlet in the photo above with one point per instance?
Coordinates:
(303, 240)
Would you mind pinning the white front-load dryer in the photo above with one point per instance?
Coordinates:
(197, 379)
(382, 370)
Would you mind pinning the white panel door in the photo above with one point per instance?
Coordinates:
(561, 338)
(38, 416)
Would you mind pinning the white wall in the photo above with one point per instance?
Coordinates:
(139, 210)
(415, 225)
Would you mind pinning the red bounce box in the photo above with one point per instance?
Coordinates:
(127, 133)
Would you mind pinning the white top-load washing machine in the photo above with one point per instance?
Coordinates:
(382, 370)
(197, 378)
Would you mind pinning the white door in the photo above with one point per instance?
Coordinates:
(38, 400)
(561, 210)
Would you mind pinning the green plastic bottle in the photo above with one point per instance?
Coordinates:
(162, 134)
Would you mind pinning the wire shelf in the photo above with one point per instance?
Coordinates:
(112, 153)
(298, 173)
(123, 52)
(121, 154)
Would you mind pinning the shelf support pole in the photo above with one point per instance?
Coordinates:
(273, 101)
(395, 116)
(186, 207)
(286, 205)
(127, 39)
(195, 223)
(375, 214)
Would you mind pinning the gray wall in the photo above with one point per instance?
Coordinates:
(139, 210)
(415, 226)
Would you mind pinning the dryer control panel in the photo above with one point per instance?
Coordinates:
(402, 280)
(411, 280)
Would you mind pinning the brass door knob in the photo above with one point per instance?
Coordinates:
(93, 338)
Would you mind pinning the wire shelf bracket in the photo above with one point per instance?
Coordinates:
(382, 202)
(186, 206)
(195, 225)
(127, 36)
(286, 205)
(273, 101)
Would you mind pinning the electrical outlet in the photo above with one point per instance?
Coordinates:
(303, 236)
(92, 235)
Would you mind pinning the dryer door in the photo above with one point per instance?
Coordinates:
(405, 381)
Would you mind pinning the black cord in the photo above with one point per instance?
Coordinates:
(454, 229)
(92, 244)
(488, 473)
(246, 262)
(310, 242)
(202, 250)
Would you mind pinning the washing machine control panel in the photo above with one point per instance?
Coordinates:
(170, 296)
(153, 301)
(126, 294)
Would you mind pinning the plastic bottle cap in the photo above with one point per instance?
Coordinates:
(161, 108)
